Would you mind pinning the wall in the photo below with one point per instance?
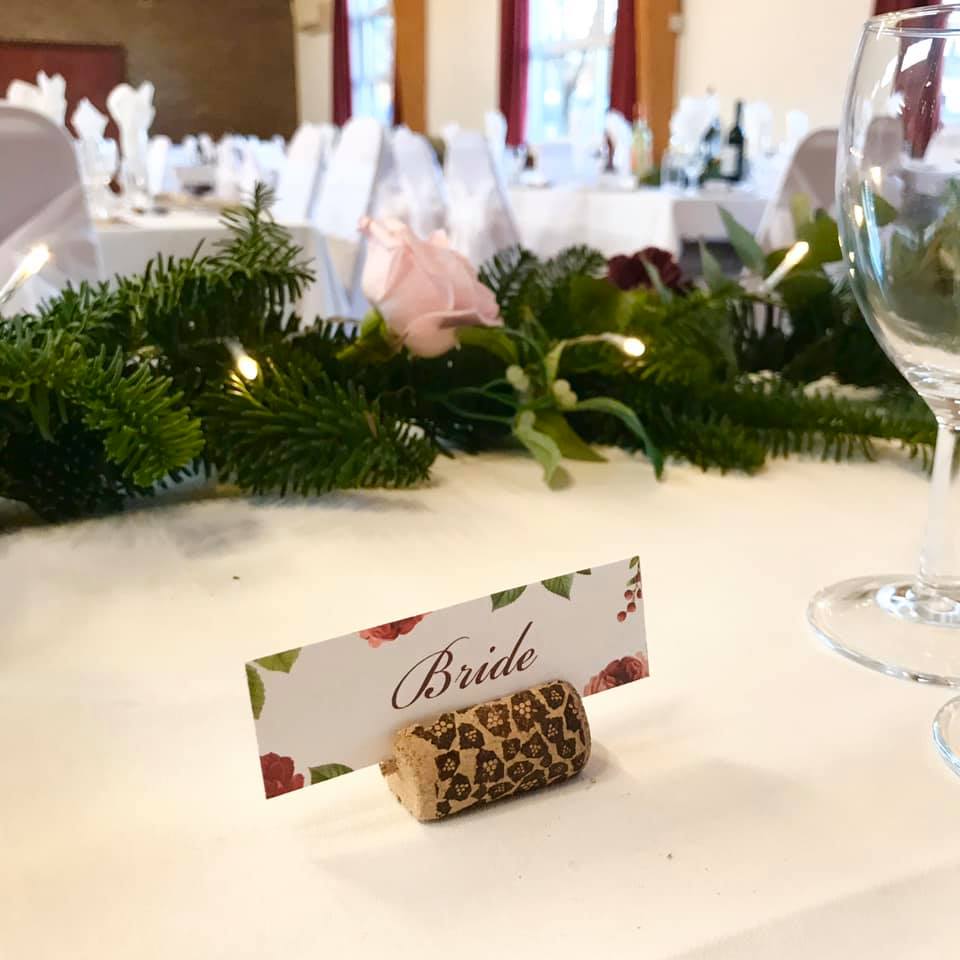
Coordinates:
(314, 52)
(463, 51)
(217, 65)
(759, 50)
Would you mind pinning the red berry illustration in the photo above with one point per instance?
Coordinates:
(622, 615)
(631, 608)
(628, 595)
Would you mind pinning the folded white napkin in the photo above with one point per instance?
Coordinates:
(88, 122)
(758, 128)
(133, 112)
(691, 119)
(48, 96)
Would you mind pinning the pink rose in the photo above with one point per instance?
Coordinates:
(616, 673)
(278, 775)
(390, 631)
(423, 289)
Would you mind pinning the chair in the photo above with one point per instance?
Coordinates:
(42, 201)
(299, 178)
(495, 129)
(810, 172)
(479, 218)
(421, 180)
(346, 195)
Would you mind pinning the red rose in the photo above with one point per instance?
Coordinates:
(390, 631)
(628, 273)
(278, 775)
(617, 673)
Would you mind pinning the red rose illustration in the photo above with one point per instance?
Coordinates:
(278, 775)
(617, 673)
(390, 631)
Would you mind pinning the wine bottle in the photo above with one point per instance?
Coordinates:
(732, 155)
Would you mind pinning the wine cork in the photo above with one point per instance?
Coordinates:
(493, 750)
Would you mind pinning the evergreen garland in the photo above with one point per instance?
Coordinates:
(110, 390)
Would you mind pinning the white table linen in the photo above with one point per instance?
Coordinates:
(758, 796)
(126, 247)
(626, 221)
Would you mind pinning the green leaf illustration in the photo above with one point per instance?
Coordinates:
(585, 573)
(257, 693)
(328, 771)
(506, 597)
(634, 561)
(560, 585)
(280, 661)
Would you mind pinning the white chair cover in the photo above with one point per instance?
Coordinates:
(479, 217)
(390, 200)
(299, 178)
(346, 195)
(495, 128)
(798, 126)
(556, 162)
(811, 172)
(421, 180)
(42, 201)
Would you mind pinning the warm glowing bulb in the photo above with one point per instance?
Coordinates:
(794, 255)
(633, 347)
(858, 215)
(35, 260)
(247, 367)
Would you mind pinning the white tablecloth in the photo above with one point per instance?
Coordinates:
(624, 222)
(757, 797)
(127, 247)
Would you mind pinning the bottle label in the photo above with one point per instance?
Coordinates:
(729, 161)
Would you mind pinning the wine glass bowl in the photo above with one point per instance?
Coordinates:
(898, 198)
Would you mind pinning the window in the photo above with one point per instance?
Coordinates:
(371, 59)
(568, 85)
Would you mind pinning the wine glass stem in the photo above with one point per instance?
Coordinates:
(938, 582)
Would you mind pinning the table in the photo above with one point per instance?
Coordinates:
(126, 247)
(552, 218)
(758, 796)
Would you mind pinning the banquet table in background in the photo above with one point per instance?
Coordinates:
(127, 245)
(757, 796)
(615, 221)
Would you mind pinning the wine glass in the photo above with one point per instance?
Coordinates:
(898, 194)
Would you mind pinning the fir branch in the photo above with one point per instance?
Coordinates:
(294, 429)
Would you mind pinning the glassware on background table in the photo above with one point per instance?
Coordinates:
(98, 163)
(898, 191)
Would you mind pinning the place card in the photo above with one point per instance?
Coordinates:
(326, 709)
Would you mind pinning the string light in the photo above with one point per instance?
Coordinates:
(247, 367)
(633, 347)
(36, 259)
(794, 255)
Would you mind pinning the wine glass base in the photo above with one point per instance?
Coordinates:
(946, 734)
(880, 623)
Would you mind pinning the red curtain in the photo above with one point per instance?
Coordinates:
(514, 60)
(342, 89)
(623, 73)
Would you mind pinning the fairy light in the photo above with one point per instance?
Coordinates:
(633, 347)
(36, 259)
(247, 367)
(794, 255)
